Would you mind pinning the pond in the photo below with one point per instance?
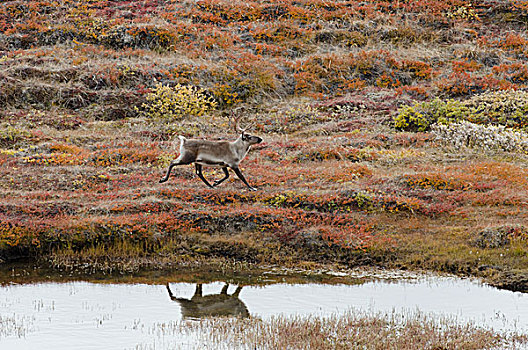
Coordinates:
(88, 315)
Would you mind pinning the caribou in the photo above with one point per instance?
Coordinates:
(221, 154)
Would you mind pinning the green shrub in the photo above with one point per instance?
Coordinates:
(172, 103)
(508, 108)
(11, 136)
(421, 115)
(463, 12)
(410, 118)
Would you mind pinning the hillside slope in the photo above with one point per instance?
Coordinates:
(347, 95)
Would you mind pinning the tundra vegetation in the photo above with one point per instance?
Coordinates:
(395, 134)
(353, 330)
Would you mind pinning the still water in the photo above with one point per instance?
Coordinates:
(84, 315)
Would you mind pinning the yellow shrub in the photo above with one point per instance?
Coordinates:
(168, 103)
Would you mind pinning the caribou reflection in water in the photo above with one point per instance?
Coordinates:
(200, 306)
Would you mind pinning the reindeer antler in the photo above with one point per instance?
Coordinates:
(236, 121)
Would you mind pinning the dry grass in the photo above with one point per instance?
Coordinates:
(15, 326)
(353, 330)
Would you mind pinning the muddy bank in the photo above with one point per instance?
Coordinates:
(243, 262)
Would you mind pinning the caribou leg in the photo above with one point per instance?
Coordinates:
(226, 173)
(241, 177)
(200, 175)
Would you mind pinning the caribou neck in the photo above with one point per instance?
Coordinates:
(240, 147)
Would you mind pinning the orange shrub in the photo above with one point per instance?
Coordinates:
(436, 182)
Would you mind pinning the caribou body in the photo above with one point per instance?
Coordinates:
(222, 154)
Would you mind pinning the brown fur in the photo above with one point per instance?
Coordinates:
(223, 154)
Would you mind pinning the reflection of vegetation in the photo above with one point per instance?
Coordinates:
(236, 272)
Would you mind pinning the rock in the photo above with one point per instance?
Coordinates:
(497, 237)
